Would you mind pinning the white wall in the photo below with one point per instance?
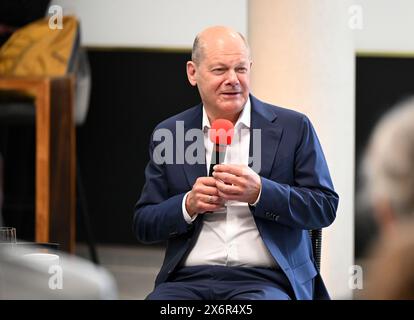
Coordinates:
(152, 23)
(388, 26)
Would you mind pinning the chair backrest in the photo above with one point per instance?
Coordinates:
(45, 52)
(316, 238)
(36, 50)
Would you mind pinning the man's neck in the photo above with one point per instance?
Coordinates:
(232, 118)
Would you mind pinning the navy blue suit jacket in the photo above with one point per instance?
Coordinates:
(297, 195)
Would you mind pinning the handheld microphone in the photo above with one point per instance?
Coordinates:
(221, 134)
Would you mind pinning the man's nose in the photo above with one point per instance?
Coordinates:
(232, 78)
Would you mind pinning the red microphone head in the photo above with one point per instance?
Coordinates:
(221, 132)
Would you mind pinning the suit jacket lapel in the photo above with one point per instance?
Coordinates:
(271, 133)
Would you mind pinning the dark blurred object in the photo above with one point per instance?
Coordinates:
(17, 13)
(316, 239)
(16, 108)
(366, 229)
(1, 191)
(113, 144)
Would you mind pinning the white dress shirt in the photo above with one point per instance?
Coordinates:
(229, 237)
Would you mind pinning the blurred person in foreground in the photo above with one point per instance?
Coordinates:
(238, 234)
(390, 268)
(388, 171)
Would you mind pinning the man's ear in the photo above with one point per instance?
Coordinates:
(191, 73)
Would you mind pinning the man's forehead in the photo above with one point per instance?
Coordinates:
(225, 59)
(225, 49)
(226, 55)
(224, 43)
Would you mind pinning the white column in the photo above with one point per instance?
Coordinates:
(303, 59)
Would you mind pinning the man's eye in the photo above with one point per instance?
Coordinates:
(218, 71)
(241, 70)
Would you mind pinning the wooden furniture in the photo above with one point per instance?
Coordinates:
(55, 200)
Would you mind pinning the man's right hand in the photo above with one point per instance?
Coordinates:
(203, 197)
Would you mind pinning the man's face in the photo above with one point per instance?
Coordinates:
(222, 77)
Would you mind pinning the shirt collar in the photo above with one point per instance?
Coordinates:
(243, 120)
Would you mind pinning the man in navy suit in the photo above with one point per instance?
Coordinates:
(243, 232)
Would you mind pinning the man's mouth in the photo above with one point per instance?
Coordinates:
(231, 93)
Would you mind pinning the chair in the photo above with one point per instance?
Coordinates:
(316, 239)
(59, 103)
(55, 152)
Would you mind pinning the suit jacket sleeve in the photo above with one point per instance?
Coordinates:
(311, 202)
(157, 215)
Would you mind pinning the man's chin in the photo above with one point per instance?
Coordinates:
(232, 108)
(235, 103)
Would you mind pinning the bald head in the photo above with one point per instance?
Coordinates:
(216, 36)
(220, 68)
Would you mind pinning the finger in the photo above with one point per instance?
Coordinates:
(207, 181)
(227, 178)
(235, 169)
(228, 189)
(212, 199)
(205, 190)
(226, 196)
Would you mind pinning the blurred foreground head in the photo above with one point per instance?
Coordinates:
(388, 168)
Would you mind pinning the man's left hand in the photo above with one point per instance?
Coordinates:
(237, 182)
